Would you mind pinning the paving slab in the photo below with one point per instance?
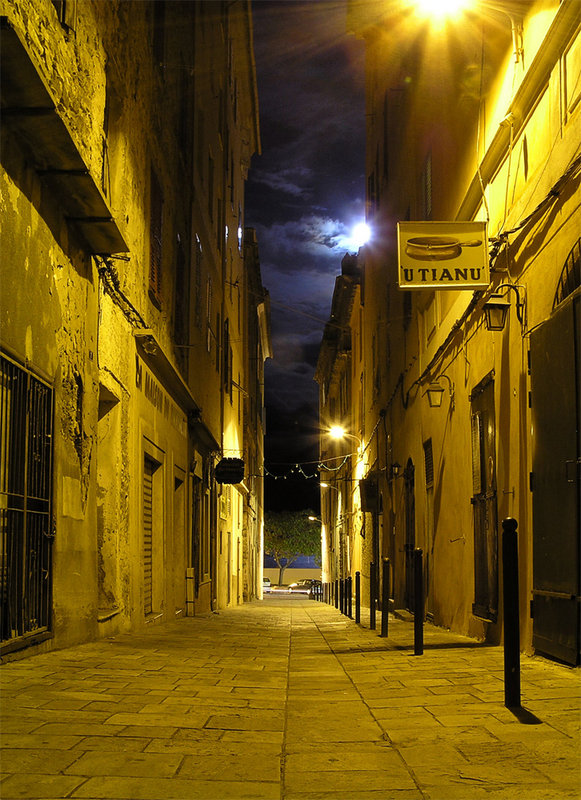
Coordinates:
(285, 699)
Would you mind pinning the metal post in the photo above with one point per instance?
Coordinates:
(336, 593)
(372, 592)
(357, 597)
(350, 597)
(511, 613)
(341, 595)
(418, 602)
(385, 598)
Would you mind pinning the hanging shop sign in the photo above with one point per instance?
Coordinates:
(369, 489)
(442, 255)
(230, 470)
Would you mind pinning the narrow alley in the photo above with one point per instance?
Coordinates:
(285, 699)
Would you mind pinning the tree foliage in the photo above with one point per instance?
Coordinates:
(289, 535)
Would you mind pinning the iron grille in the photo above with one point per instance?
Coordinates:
(25, 504)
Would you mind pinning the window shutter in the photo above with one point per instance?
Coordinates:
(429, 463)
(148, 470)
(476, 453)
(155, 242)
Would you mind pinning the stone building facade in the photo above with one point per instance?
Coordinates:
(127, 297)
(462, 425)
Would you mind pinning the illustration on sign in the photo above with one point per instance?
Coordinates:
(442, 255)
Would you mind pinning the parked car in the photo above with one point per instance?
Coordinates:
(266, 587)
(304, 586)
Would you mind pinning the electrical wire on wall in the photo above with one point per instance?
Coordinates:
(112, 286)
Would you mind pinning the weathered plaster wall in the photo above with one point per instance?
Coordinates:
(49, 321)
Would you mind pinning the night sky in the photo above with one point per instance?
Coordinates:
(305, 193)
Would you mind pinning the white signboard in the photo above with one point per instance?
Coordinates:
(442, 255)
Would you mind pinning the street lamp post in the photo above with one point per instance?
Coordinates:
(337, 432)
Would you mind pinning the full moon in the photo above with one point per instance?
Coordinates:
(360, 234)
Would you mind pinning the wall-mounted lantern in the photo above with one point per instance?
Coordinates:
(496, 311)
(497, 306)
(435, 392)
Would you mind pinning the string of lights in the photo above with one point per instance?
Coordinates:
(298, 471)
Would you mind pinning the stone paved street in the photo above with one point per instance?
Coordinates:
(286, 699)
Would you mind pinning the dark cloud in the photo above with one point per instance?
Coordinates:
(305, 192)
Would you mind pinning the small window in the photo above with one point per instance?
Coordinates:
(158, 43)
(427, 186)
(198, 282)
(429, 463)
(181, 299)
(209, 315)
(211, 187)
(407, 309)
(371, 195)
(67, 13)
(200, 147)
(155, 240)
(386, 137)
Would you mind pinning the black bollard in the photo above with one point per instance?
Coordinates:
(372, 593)
(350, 597)
(511, 613)
(385, 598)
(341, 595)
(336, 593)
(357, 597)
(418, 602)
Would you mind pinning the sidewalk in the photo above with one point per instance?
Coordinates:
(285, 699)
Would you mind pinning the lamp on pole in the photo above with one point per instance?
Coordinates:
(338, 433)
